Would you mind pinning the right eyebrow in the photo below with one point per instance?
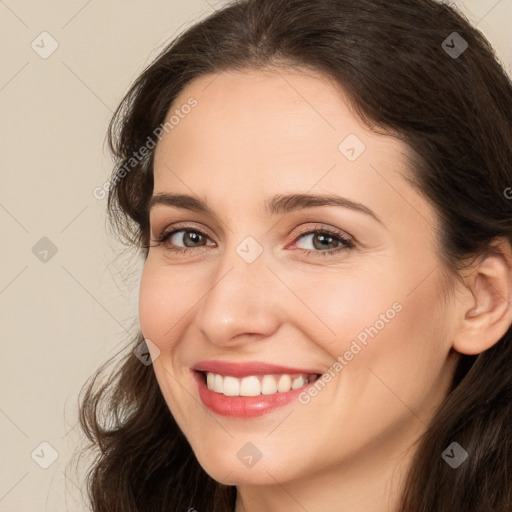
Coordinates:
(179, 201)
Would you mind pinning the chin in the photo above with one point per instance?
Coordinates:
(229, 470)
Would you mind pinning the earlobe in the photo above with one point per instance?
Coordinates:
(486, 310)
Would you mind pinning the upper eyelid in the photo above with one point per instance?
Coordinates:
(176, 228)
(154, 219)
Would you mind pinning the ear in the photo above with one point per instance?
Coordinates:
(485, 312)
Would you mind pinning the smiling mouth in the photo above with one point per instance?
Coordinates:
(255, 385)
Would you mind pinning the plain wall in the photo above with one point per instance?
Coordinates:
(67, 301)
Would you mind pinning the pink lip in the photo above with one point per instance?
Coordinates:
(246, 369)
(243, 406)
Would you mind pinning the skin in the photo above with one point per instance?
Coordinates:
(253, 135)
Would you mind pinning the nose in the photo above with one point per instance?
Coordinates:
(242, 303)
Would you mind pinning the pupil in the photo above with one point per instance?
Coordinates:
(324, 238)
(193, 236)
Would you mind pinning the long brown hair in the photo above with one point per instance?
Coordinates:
(403, 74)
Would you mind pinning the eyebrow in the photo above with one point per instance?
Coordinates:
(273, 206)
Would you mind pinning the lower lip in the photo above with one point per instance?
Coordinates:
(243, 406)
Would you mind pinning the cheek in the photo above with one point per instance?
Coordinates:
(344, 307)
(165, 296)
(377, 318)
(397, 353)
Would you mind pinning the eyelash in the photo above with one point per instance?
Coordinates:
(347, 242)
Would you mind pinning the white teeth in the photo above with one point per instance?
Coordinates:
(218, 384)
(268, 385)
(284, 384)
(231, 386)
(298, 382)
(249, 386)
(256, 385)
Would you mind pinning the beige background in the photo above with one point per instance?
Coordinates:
(63, 317)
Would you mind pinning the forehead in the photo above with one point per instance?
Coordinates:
(260, 132)
(276, 110)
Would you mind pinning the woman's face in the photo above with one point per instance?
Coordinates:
(303, 247)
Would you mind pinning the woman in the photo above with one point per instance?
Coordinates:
(319, 191)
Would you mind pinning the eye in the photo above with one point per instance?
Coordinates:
(188, 237)
(183, 239)
(191, 238)
(324, 241)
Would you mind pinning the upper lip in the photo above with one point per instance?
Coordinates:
(248, 368)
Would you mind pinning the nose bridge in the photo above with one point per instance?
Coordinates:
(241, 298)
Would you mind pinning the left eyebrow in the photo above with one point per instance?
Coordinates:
(274, 206)
(287, 203)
